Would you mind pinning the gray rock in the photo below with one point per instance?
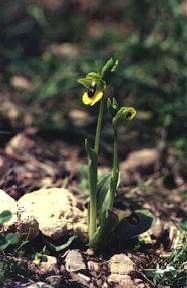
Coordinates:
(74, 261)
(121, 264)
(49, 265)
(121, 281)
(40, 285)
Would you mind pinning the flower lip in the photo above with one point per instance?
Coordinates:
(92, 89)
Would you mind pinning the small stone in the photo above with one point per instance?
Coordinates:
(93, 266)
(40, 285)
(90, 252)
(139, 283)
(74, 261)
(49, 265)
(121, 281)
(121, 264)
(55, 281)
(157, 229)
(19, 143)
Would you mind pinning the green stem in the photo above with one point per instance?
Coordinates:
(99, 124)
(93, 199)
(115, 169)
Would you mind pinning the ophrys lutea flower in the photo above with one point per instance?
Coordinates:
(93, 94)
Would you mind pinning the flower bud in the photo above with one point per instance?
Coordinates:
(124, 114)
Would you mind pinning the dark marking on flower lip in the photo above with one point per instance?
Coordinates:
(91, 90)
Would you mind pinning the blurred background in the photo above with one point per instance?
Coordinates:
(46, 45)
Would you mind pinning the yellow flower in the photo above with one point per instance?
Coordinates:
(92, 95)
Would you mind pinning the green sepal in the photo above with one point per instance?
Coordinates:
(93, 75)
(132, 225)
(115, 66)
(5, 216)
(109, 68)
(85, 82)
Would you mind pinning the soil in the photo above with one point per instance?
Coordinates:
(29, 162)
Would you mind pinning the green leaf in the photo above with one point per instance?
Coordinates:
(103, 233)
(11, 239)
(3, 240)
(5, 216)
(135, 224)
(6, 241)
(3, 243)
(106, 200)
(102, 189)
(63, 246)
(92, 165)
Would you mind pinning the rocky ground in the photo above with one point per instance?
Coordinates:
(45, 187)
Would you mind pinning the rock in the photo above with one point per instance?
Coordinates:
(121, 264)
(121, 281)
(141, 161)
(6, 201)
(56, 211)
(49, 265)
(93, 266)
(25, 226)
(55, 281)
(21, 82)
(157, 229)
(74, 261)
(40, 285)
(21, 222)
(64, 50)
(19, 143)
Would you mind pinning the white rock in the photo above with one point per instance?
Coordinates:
(74, 261)
(121, 264)
(6, 201)
(21, 222)
(49, 265)
(121, 281)
(57, 212)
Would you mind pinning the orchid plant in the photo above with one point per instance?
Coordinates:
(102, 220)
